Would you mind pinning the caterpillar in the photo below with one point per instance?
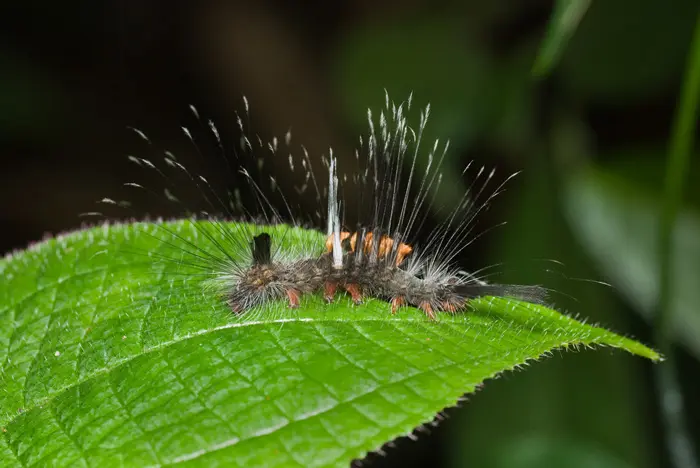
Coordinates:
(393, 188)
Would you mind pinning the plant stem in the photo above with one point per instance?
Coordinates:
(681, 145)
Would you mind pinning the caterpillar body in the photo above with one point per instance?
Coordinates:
(393, 189)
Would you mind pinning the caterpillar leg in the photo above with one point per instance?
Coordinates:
(428, 309)
(293, 295)
(452, 306)
(329, 289)
(354, 291)
(397, 302)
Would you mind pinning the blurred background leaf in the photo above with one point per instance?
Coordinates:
(566, 16)
(616, 221)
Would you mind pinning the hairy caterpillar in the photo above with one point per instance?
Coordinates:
(393, 188)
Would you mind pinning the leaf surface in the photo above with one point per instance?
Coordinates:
(110, 358)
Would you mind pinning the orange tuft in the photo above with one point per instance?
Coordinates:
(329, 241)
(385, 245)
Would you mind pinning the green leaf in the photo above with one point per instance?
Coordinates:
(565, 19)
(616, 220)
(113, 358)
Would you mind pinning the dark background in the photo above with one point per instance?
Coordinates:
(591, 140)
